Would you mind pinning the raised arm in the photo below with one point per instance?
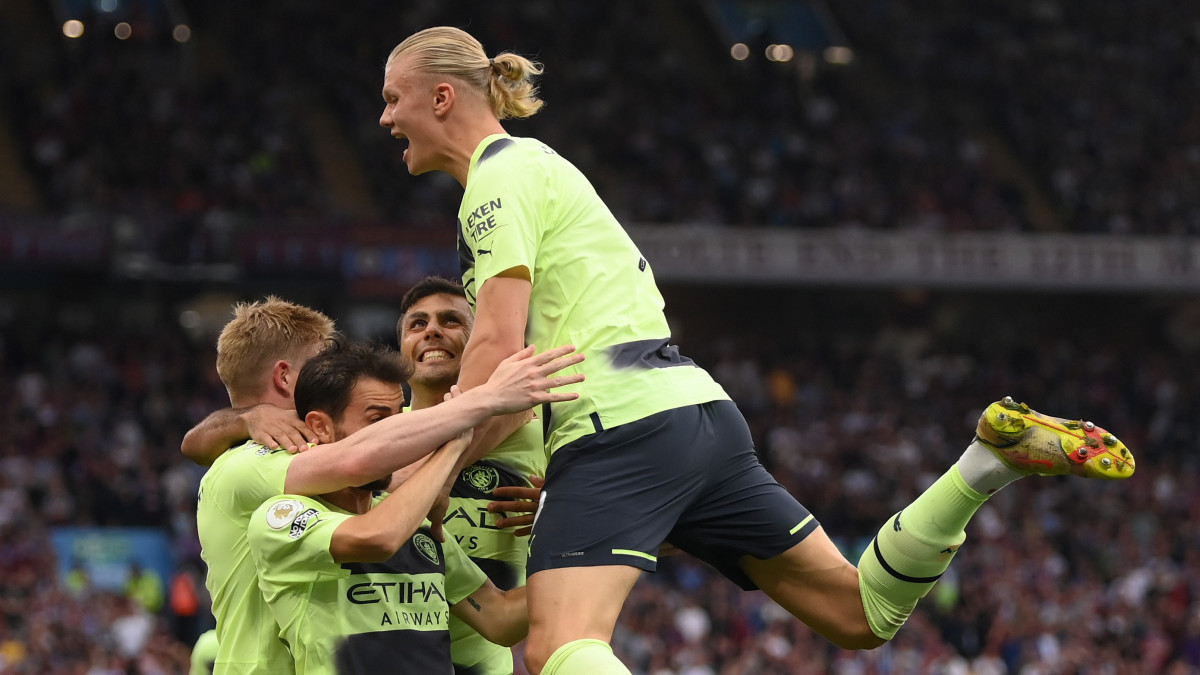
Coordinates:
(266, 424)
(500, 616)
(377, 534)
(520, 383)
(502, 309)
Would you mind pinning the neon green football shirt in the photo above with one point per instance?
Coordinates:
(356, 617)
(499, 553)
(238, 483)
(525, 206)
(204, 653)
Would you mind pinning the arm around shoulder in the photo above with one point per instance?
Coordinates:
(215, 434)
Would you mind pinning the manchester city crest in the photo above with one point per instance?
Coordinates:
(426, 546)
(481, 477)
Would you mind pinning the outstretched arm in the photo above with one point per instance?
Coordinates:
(266, 424)
(520, 383)
(500, 616)
(377, 534)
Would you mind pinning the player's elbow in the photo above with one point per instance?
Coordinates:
(193, 450)
(511, 639)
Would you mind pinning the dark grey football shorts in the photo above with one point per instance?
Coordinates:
(688, 476)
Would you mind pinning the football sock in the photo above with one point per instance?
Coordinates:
(913, 549)
(983, 470)
(584, 657)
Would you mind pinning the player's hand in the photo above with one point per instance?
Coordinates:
(522, 380)
(523, 500)
(274, 427)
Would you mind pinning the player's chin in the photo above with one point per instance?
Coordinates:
(415, 168)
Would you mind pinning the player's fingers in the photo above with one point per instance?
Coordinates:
(513, 521)
(537, 481)
(266, 440)
(296, 441)
(556, 396)
(435, 528)
(517, 492)
(551, 354)
(522, 506)
(558, 364)
(302, 428)
(523, 532)
(563, 380)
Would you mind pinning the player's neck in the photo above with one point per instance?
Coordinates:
(270, 395)
(427, 397)
(466, 140)
(354, 500)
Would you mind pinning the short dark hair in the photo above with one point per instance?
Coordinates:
(326, 379)
(423, 289)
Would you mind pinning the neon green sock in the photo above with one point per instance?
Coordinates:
(912, 550)
(584, 657)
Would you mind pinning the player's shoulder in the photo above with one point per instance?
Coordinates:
(249, 451)
(506, 153)
(255, 455)
(285, 513)
(249, 470)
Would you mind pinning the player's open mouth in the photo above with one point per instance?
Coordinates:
(435, 355)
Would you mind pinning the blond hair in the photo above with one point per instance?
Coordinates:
(262, 333)
(506, 81)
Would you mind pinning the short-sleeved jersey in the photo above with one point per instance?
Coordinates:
(499, 553)
(238, 483)
(525, 206)
(356, 617)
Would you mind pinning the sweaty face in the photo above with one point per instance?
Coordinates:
(408, 113)
(370, 401)
(432, 337)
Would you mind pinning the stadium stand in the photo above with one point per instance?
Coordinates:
(1056, 116)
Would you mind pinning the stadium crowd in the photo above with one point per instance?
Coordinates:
(1057, 575)
(1096, 98)
(180, 151)
(907, 136)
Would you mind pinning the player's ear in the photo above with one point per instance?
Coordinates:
(443, 98)
(321, 425)
(283, 378)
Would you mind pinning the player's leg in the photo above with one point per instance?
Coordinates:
(863, 608)
(816, 584)
(916, 546)
(756, 534)
(609, 501)
(572, 613)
